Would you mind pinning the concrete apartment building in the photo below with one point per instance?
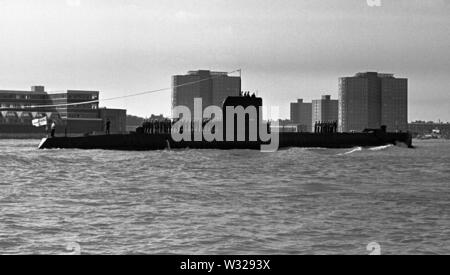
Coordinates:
(324, 110)
(212, 87)
(370, 100)
(19, 108)
(301, 115)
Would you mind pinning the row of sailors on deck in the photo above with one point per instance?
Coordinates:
(247, 94)
(157, 126)
(325, 127)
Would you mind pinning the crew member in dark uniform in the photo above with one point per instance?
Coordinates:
(108, 127)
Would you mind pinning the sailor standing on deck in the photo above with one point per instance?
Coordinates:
(108, 126)
(53, 129)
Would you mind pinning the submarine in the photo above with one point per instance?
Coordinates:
(159, 135)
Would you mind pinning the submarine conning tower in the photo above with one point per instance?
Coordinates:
(245, 111)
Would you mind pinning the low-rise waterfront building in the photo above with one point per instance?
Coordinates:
(19, 108)
(422, 128)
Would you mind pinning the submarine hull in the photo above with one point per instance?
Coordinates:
(146, 142)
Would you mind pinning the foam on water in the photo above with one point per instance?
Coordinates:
(354, 150)
(381, 147)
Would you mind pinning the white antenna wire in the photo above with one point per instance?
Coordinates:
(120, 97)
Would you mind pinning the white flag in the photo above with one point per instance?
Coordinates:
(38, 122)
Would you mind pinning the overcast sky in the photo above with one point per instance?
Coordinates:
(287, 49)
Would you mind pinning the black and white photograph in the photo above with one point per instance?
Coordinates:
(232, 130)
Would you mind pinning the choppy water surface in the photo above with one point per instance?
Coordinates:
(297, 201)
